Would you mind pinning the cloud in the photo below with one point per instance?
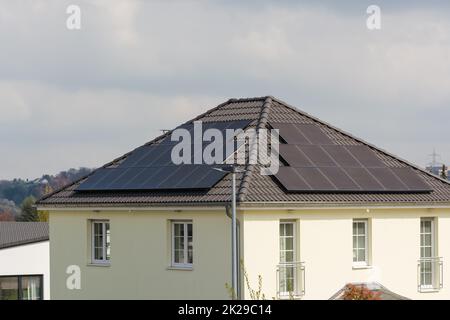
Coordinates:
(137, 67)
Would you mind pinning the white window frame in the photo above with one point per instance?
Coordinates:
(105, 260)
(294, 254)
(364, 263)
(185, 264)
(433, 253)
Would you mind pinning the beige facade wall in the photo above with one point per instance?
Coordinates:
(140, 252)
(140, 256)
(324, 244)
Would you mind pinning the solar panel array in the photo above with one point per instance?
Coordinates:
(317, 164)
(150, 167)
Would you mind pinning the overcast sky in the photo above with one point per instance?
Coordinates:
(71, 98)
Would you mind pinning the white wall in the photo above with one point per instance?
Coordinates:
(29, 259)
(324, 243)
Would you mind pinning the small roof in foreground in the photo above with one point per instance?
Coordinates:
(385, 293)
(14, 234)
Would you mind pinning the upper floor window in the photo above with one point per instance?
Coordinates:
(360, 242)
(182, 244)
(101, 243)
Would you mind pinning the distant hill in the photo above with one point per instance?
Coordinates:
(13, 192)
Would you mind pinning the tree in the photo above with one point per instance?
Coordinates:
(6, 216)
(28, 211)
(43, 216)
(360, 292)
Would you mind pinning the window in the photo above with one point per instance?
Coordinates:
(21, 288)
(360, 243)
(427, 253)
(287, 258)
(182, 244)
(101, 243)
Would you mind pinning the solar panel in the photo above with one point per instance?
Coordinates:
(341, 156)
(291, 180)
(315, 179)
(94, 179)
(293, 156)
(317, 156)
(317, 164)
(340, 179)
(290, 133)
(301, 133)
(388, 179)
(365, 156)
(150, 167)
(411, 179)
(314, 134)
(364, 179)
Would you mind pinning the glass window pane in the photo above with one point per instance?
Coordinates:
(427, 240)
(31, 288)
(108, 241)
(289, 229)
(361, 228)
(283, 243)
(428, 279)
(98, 253)
(190, 256)
(282, 229)
(9, 288)
(361, 255)
(426, 227)
(289, 243)
(355, 255)
(361, 242)
(289, 256)
(189, 226)
(427, 252)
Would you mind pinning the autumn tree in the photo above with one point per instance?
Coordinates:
(6, 216)
(359, 292)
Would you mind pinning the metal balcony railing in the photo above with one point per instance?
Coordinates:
(430, 274)
(290, 280)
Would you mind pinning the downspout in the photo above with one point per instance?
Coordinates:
(238, 227)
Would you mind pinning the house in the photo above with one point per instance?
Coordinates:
(339, 210)
(24, 261)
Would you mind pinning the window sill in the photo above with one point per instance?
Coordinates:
(180, 268)
(429, 290)
(361, 266)
(103, 265)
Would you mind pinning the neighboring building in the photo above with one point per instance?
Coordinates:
(339, 211)
(437, 170)
(24, 261)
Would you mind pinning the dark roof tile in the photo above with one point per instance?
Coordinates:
(19, 233)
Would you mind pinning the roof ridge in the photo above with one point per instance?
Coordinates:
(248, 172)
(370, 145)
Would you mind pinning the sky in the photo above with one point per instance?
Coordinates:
(80, 98)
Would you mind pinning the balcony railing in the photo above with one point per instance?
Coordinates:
(290, 280)
(430, 274)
